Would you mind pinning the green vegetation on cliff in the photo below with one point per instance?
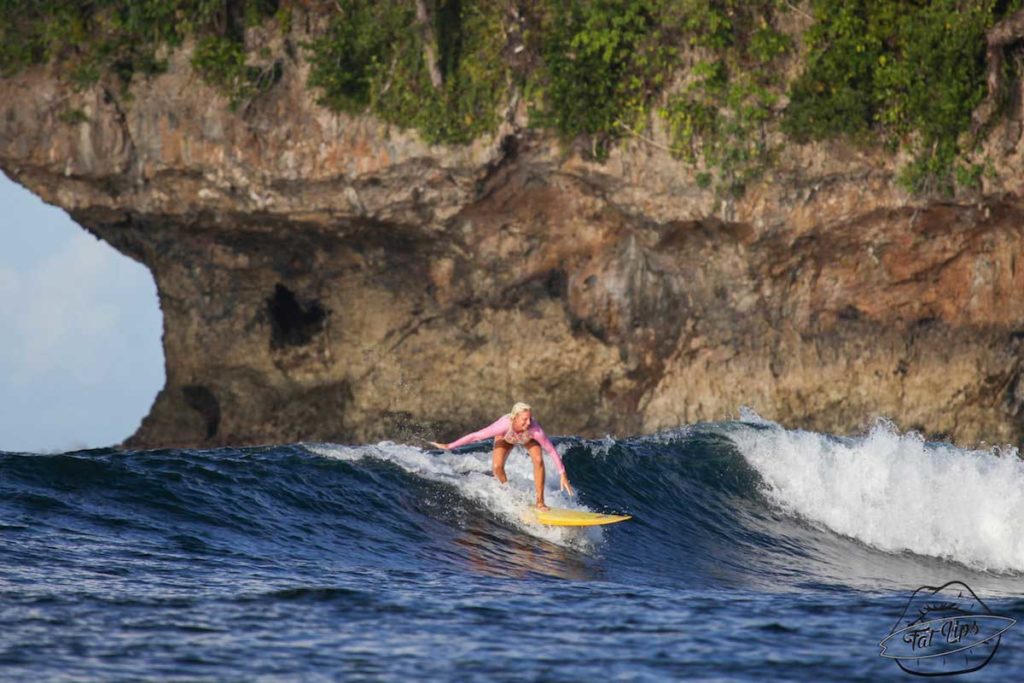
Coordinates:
(908, 74)
(602, 64)
(89, 38)
(607, 66)
(440, 71)
(721, 113)
(125, 38)
(723, 77)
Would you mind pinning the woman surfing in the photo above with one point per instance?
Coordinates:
(518, 427)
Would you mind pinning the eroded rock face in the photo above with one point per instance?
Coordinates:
(325, 278)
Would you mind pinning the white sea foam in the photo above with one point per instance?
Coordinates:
(470, 473)
(896, 492)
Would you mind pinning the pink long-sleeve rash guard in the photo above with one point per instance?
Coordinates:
(503, 426)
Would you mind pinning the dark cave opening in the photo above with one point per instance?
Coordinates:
(204, 402)
(293, 323)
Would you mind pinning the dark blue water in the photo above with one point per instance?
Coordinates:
(756, 553)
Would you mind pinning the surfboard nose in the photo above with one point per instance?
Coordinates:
(565, 517)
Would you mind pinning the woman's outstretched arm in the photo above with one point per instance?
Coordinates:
(497, 428)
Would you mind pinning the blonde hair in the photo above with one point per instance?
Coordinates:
(518, 408)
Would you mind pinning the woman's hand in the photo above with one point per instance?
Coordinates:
(442, 446)
(566, 486)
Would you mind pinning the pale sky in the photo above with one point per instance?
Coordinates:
(80, 325)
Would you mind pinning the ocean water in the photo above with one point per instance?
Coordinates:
(755, 553)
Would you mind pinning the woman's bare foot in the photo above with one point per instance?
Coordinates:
(542, 506)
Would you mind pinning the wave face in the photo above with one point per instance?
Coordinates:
(206, 550)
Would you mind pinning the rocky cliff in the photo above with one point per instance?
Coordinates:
(330, 277)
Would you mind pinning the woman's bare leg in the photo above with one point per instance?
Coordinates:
(533, 448)
(498, 458)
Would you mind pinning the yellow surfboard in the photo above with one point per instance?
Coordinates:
(563, 517)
